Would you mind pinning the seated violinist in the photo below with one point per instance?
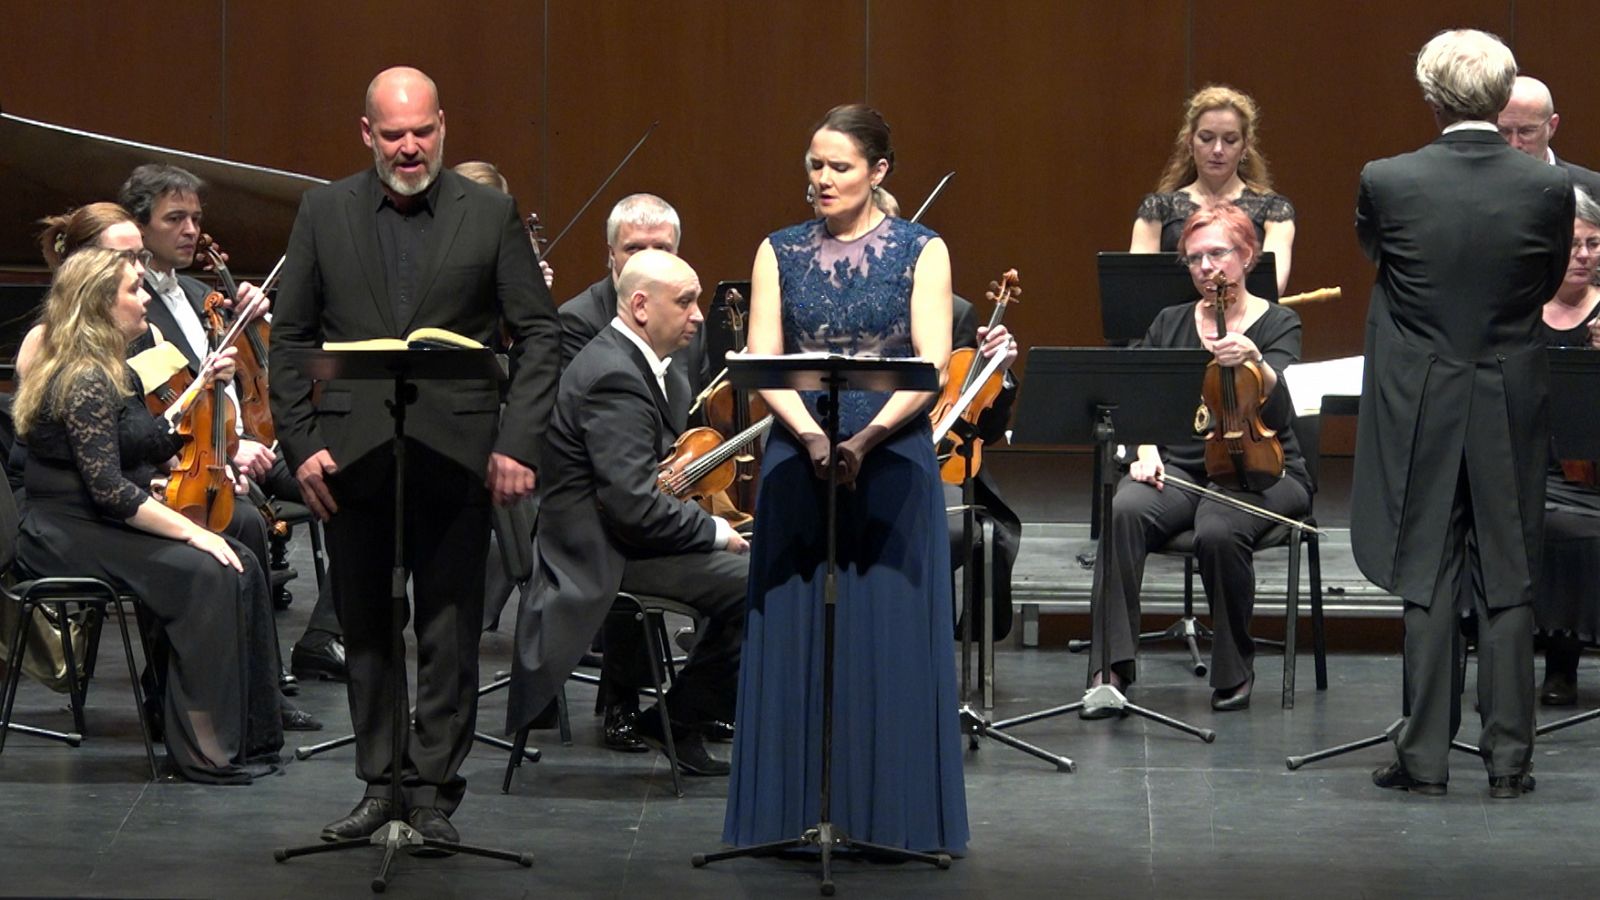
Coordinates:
(109, 226)
(90, 446)
(1219, 245)
(605, 525)
(165, 202)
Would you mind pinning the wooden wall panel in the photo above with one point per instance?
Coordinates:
(1554, 42)
(1056, 118)
(736, 87)
(298, 71)
(147, 72)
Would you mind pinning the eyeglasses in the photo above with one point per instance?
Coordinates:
(1525, 132)
(1216, 256)
(142, 257)
(1591, 244)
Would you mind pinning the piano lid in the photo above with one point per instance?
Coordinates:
(47, 169)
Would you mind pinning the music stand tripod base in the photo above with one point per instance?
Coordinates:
(401, 367)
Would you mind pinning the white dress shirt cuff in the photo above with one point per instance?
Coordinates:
(725, 532)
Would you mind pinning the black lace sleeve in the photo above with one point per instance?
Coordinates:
(1155, 208)
(1277, 208)
(91, 414)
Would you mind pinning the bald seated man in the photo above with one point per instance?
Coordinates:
(606, 526)
(1530, 120)
(402, 245)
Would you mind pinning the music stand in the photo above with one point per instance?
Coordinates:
(1136, 286)
(831, 373)
(1102, 396)
(402, 367)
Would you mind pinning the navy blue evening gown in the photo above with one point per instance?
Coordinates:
(897, 755)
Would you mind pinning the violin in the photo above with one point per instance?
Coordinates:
(702, 463)
(1242, 453)
(250, 379)
(200, 486)
(964, 397)
(732, 411)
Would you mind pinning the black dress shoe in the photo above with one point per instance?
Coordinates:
(287, 683)
(368, 816)
(1510, 787)
(717, 732)
(1395, 777)
(299, 720)
(620, 732)
(1236, 699)
(1558, 690)
(690, 747)
(321, 659)
(435, 826)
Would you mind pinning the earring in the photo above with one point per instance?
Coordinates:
(811, 195)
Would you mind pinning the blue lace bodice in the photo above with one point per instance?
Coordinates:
(849, 297)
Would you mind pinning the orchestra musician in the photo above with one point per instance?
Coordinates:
(1470, 239)
(992, 425)
(91, 447)
(1528, 122)
(398, 246)
(606, 526)
(487, 173)
(165, 201)
(636, 223)
(852, 281)
(110, 226)
(1565, 606)
(1217, 157)
(1219, 240)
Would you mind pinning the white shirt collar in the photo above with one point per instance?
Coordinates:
(1471, 125)
(1549, 155)
(162, 282)
(658, 366)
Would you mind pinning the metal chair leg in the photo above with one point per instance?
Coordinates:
(655, 650)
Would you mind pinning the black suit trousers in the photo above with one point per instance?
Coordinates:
(447, 534)
(707, 687)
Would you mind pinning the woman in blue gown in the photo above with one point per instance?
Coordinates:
(854, 282)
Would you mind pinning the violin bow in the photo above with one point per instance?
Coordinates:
(550, 248)
(932, 196)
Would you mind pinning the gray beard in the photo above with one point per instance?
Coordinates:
(393, 181)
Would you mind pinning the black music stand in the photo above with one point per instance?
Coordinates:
(831, 373)
(402, 367)
(1136, 286)
(1102, 396)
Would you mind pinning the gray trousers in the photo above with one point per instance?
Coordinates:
(1433, 667)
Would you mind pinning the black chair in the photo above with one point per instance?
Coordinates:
(293, 514)
(88, 597)
(1191, 630)
(650, 612)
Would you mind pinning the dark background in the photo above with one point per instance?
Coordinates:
(1056, 116)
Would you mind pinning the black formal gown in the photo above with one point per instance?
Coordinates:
(1173, 208)
(221, 702)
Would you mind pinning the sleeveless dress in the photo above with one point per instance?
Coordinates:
(1173, 208)
(897, 764)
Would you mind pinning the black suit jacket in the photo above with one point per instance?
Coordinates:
(585, 315)
(477, 268)
(1587, 179)
(1470, 237)
(599, 507)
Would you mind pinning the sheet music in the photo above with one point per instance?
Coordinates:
(1310, 382)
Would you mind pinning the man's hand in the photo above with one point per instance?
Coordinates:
(737, 544)
(254, 458)
(549, 273)
(509, 480)
(312, 476)
(252, 302)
